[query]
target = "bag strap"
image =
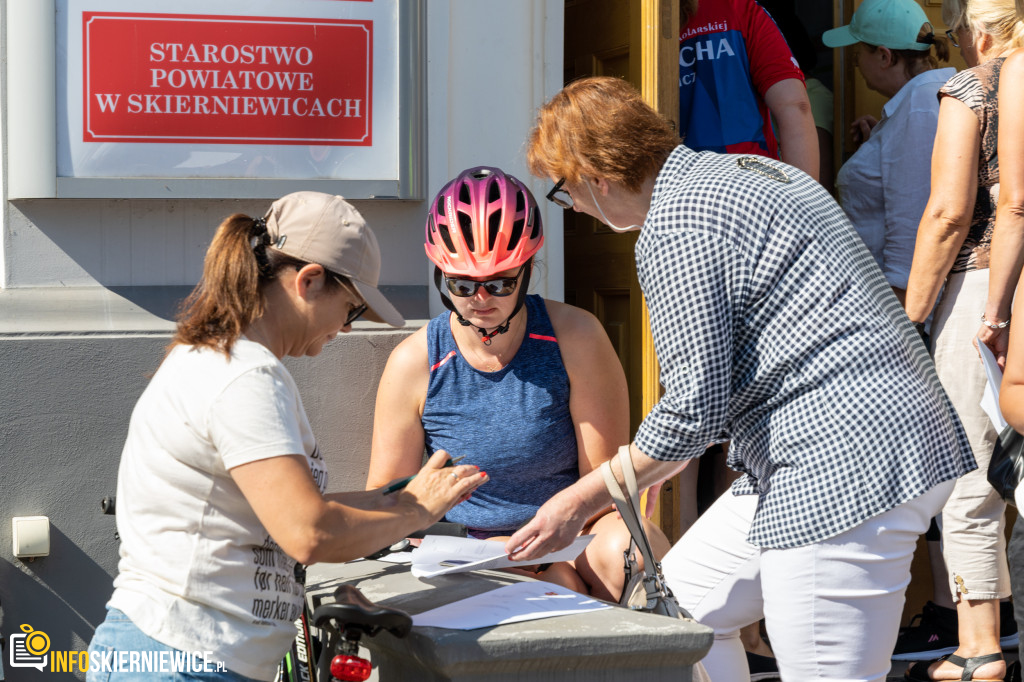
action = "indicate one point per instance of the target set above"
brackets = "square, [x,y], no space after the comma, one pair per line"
[629,508]
[629,505]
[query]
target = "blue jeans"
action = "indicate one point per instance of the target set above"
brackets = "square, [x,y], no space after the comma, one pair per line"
[118,640]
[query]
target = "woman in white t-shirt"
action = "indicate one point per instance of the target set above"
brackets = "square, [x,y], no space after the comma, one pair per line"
[883,187]
[221,487]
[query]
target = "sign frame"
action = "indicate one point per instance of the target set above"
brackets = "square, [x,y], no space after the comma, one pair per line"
[32,119]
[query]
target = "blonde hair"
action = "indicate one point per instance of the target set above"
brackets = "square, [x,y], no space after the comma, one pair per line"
[999,19]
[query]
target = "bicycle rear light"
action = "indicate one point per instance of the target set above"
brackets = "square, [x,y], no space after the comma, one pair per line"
[350,668]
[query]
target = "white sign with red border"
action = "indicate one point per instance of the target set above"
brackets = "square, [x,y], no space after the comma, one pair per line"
[303,89]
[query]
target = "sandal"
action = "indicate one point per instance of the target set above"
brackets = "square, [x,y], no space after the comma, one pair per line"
[919,671]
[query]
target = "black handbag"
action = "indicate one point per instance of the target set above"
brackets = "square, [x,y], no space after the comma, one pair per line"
[1006,468]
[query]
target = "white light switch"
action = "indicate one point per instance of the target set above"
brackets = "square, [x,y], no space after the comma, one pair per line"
[31,536]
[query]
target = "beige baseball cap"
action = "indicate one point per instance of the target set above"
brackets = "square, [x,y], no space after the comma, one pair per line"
[326,230]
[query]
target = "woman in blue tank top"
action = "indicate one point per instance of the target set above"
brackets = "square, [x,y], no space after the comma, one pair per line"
[529,390]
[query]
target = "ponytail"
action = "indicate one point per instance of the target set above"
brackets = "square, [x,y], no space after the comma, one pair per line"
[229,297]
[941,46]
[916,62]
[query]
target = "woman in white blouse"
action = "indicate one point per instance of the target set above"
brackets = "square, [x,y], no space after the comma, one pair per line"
[884,186]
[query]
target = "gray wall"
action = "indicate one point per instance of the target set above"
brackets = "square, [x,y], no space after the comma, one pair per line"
[60,435]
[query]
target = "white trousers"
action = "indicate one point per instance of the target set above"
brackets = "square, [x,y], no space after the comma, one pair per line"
[832,609]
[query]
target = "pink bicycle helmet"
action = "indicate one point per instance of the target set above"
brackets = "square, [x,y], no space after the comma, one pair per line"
[482,222]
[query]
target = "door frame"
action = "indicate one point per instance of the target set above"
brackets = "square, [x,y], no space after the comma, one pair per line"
[659,58]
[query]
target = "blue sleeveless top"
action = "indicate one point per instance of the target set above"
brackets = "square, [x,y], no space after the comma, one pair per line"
[514,423]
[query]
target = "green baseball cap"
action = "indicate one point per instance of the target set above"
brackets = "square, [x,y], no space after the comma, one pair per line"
[894,24]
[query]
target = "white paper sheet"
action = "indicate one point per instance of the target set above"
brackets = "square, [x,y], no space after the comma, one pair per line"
[990,398]
[529,600]
[441,554]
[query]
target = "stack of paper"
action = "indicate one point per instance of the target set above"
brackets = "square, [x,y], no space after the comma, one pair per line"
[990,398]
[441,554]
[529,600]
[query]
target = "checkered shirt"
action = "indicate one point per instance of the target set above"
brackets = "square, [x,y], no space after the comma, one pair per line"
[775,328]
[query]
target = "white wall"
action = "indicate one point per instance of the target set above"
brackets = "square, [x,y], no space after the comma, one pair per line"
[4,249]
[490,64]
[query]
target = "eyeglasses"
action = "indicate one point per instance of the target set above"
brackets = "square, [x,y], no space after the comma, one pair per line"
[356,312]
[560,196]
[951,34]
[464,288]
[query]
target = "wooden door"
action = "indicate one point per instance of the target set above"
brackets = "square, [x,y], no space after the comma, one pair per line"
[636,40]
[600,275]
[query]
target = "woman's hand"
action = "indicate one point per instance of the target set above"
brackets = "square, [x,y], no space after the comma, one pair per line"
[437,488]
[555,525]
[997,340]
[860,129]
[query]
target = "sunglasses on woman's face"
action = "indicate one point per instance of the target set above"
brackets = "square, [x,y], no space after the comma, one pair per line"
[464,288]
[355,314]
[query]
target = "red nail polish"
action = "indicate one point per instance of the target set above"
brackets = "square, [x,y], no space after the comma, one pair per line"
[483,473]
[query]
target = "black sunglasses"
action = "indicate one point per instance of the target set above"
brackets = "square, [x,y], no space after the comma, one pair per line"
[560,196]
[355,314]
[464,288]
[952,38]
[357,311]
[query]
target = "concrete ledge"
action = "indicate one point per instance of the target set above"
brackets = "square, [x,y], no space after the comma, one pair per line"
[52,311]
[616,644]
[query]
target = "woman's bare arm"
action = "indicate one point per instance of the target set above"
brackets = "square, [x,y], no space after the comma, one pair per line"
[947,216]
[798,137]
[598,396]
[311,528]
[1007,251]
[397,447]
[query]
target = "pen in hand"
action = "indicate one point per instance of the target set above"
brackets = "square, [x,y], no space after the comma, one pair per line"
[398,485]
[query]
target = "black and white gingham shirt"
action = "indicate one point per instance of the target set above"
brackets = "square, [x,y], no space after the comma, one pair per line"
[775,328]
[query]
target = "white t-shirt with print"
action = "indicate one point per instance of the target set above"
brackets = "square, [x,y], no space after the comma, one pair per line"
[198,571]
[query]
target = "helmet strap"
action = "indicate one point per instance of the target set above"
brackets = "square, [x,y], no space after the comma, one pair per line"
[486,336]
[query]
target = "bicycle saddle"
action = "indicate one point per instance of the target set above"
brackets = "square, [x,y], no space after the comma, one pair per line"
[352,609]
